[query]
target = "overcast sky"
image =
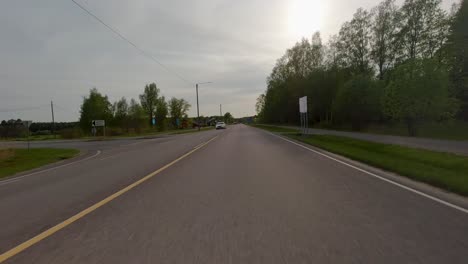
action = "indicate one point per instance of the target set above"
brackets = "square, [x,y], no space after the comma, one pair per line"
[52,50]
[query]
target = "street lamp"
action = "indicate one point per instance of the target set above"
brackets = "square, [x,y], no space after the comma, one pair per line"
[198,109]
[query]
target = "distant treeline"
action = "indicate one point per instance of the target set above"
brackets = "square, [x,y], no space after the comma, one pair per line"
[393,63]
[15,128]
[152,112]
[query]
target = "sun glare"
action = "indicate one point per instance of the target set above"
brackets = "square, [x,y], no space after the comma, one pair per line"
[305,17]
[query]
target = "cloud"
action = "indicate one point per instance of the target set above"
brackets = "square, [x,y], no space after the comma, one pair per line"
[52,50]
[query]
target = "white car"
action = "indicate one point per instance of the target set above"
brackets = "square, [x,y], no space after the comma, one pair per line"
[220,125]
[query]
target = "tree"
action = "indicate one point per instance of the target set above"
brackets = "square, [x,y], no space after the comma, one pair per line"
[458,58]
[421,32]
[228,118]
[418,91]
[149,100]
[161,113]
[94,107]
[384,29]
[260,104]
[354,42]
[358,101]
[121,112]
[137,116]
[178,109]
[316,51]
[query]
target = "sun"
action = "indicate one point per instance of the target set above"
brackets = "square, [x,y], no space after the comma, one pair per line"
[305,17]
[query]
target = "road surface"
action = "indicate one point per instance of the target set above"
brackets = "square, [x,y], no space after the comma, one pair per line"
[236,196]
[451,146]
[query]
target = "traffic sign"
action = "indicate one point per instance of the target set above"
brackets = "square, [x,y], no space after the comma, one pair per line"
[303,104]
[99,123]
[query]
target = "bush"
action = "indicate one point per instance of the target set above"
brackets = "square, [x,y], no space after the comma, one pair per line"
[358,102]
[71,133]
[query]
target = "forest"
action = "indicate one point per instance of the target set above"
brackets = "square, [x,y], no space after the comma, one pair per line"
[405,65]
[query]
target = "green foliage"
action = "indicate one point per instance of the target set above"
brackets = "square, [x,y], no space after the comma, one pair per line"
[178,109]
[394,40]
[458,58]
[137,116]
[149,100]
[228,118]
[418,91]
[95,107]
[161,113]
[358,101]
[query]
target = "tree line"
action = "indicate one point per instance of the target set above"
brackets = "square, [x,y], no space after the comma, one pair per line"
[393,63]
[152,110]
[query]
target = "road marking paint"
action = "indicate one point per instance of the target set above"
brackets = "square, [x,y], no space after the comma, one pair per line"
[23,246]
[198,146]
[459,208]
[15,179]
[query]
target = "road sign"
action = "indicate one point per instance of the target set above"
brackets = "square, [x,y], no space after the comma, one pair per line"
[303,104]
[27,123]
[99,123]
[153,121]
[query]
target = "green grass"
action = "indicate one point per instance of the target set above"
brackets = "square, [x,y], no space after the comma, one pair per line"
[13,161]
[444,170]
[276,129]
[453,130]
[39,138]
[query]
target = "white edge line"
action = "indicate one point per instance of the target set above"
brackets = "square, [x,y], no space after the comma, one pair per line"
[15,179]
[464,210]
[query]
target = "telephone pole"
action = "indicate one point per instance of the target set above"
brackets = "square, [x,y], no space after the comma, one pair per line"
[53,118]
[220,110]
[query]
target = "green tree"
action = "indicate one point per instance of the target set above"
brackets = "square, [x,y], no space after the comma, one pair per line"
[149,100]
[228,118]
[358,101]
[458,58]
[161,113]
[418,91]
[178,109]
[260,104]
[354,42]
[137,116]
[121,113]
[384,29]
[94,107]
[421,29]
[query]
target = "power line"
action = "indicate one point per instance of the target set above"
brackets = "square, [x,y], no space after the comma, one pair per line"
[143,52]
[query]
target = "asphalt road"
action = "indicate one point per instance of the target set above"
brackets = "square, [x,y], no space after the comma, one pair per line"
[244,197]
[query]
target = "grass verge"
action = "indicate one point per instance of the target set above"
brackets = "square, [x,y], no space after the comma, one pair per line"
[444,170]
[276,129]
[13,161]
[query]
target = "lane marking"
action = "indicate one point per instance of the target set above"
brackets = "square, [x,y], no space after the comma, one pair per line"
[459,208]
[15,179]
[23,246]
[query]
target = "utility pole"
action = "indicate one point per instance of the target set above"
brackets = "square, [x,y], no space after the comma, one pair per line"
[220,110]
[53,118]
[198,109]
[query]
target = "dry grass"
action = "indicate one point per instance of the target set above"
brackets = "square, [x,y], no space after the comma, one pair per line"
[6,154]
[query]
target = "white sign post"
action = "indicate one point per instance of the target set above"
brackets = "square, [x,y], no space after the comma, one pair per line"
[99,123]
[303,115]
[27,124]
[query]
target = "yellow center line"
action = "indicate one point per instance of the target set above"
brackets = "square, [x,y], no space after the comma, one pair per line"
[23,246]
